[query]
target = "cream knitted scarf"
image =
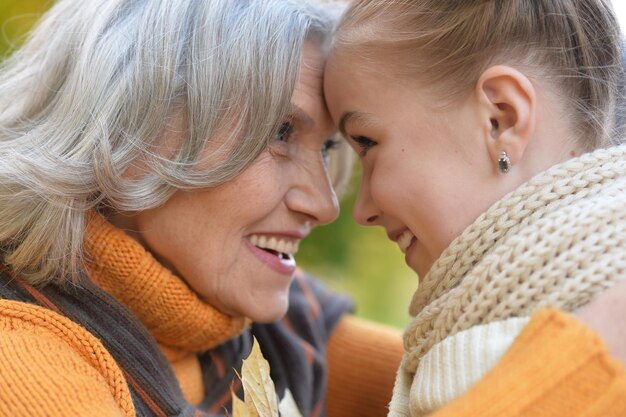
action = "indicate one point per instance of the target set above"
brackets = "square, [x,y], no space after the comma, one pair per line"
[557,241]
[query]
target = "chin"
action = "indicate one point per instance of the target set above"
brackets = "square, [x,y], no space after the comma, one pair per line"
[419,265]
[416,268]
[268,312]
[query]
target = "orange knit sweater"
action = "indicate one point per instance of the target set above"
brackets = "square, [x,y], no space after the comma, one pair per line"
[49,366]
[556,367]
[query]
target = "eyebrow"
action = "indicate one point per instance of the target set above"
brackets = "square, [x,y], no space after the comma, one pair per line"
[297,112]
[350,116]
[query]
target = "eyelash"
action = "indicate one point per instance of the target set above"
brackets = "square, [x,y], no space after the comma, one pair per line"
[364,143]
[287,129]
[285,132]
[329,145]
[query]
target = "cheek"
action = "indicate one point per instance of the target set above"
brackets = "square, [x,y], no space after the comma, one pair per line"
[259,189]
[414,193]
[392,180]
[181,240]
[163,229]
[191,234]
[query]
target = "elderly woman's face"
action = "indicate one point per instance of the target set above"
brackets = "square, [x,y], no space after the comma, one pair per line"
[234,244]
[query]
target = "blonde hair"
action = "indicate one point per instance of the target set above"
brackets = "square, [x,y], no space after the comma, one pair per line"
[94,88]
[450,43]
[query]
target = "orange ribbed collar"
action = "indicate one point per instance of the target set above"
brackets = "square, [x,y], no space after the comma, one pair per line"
[172,312]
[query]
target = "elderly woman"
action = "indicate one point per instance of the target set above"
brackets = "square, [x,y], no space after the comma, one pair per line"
[160,161]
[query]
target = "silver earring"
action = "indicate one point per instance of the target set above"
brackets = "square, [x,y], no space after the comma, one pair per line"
[504,163]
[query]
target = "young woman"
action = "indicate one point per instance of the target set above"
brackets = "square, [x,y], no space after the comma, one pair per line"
[491,139]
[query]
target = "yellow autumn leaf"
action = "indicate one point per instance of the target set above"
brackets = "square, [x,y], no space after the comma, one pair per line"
[258,387]
[260,399]
[240,409]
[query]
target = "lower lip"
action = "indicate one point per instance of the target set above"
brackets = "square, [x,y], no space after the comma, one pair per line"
[408,249]
[283,267]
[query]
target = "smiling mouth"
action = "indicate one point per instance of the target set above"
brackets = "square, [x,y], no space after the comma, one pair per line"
[405,240]
[282,248]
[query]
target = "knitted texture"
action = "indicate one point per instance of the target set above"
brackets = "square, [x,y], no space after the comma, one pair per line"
[67,367]
[456,363]
[557,241]
[204,346]
[64,385]
[555,368]
[362,361]
[170,310]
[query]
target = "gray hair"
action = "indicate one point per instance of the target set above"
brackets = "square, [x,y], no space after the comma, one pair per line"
[98,83]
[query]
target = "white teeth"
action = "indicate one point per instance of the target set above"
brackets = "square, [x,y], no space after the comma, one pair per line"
[404,240]
[288,247]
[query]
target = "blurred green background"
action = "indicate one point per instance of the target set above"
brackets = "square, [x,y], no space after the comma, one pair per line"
[16,18]
[359,261]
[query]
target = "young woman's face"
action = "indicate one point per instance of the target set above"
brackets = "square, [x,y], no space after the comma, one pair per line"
[235,244]
[422,174]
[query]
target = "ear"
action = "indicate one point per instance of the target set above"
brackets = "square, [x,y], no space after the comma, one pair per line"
[507,101]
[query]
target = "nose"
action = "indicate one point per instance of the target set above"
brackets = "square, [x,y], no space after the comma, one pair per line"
[365,212]
[312,193]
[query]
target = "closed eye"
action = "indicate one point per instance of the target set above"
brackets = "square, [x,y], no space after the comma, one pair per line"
[284,132]
[364,143]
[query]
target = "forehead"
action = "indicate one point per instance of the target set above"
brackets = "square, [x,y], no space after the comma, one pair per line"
[310,77]
[375,101]
[351,78]
[348,81]
[308,94]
